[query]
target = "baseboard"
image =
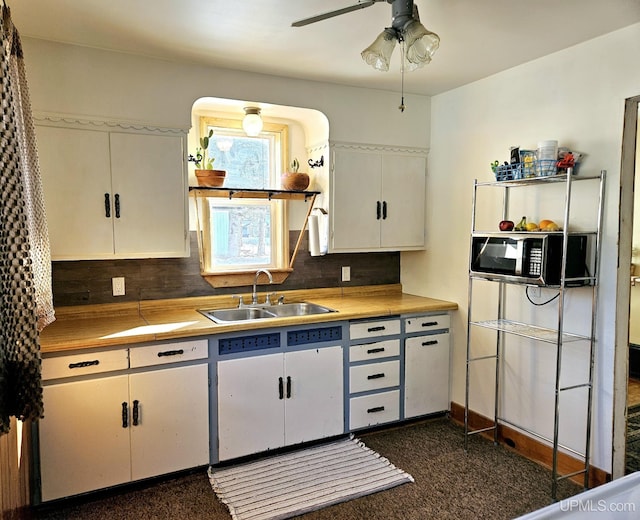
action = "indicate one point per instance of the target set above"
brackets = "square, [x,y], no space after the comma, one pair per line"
[531,448]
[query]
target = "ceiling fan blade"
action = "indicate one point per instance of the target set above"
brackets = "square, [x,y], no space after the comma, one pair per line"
[337,12]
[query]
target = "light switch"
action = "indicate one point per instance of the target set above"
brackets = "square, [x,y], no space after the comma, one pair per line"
[346,273]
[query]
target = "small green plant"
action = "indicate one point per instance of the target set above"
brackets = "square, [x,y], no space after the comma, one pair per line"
[202,159]
[295,165]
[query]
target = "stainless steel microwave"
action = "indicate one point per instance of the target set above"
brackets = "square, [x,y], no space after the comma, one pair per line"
[529,258]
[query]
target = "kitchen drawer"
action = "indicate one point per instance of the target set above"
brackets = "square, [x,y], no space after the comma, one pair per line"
[426,323]
[164,353]
[432,340]
[85,363]
[374,329]
[376,350]
[370,410]
[374,376]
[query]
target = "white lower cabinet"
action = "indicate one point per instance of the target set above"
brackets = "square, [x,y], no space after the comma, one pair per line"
[275,400]
[109,430]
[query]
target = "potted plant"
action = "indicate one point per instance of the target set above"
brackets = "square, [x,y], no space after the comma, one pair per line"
[205,174]
[292,180]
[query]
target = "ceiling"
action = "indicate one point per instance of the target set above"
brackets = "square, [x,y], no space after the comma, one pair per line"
[478,38]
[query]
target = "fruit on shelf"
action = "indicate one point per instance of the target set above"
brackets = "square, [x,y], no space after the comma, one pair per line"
[506,225]
[532,226]
[549,225]
[522,225]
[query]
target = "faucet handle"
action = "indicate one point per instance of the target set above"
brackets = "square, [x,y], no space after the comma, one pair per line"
[281,299]
[239,298]
[268,299]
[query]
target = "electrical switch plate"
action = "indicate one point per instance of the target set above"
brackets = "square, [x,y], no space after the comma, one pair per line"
[117,285]
[346,273]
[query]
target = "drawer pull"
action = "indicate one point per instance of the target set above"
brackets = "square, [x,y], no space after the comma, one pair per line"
[125,415]
[376,329]
[376,409]
[375,350]
[83,364]
[429,324]
[288,387]
[376,376]
[280,388]
[432,342]
[136,412]
[171,353]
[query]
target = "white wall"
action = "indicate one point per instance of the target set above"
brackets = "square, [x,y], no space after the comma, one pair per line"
[576,96]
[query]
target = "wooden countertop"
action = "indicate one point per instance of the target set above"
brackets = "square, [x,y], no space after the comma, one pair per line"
[89,326]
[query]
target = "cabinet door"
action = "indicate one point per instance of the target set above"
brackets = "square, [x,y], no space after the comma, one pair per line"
[250,408]
[403,192]
[149,181]
[83,445]
[76,175]
[314,408]
[355,192]
[426,375]
[172,431]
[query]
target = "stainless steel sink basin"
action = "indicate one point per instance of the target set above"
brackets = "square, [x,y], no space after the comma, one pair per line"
[268,311]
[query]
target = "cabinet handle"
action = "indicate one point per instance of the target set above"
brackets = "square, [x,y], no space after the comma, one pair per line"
[125,415]
[377,210]
[376,376]
[432,342]
[171,353]
[280,388]
[384,210]
[117,204]
[429,324]
[376,329]
[82,364]
[107,206]
[136,412]
[288,387]
[376,409]
[375,350]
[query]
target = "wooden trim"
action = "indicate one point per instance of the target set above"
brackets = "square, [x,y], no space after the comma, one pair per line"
[530,448]
[14,473]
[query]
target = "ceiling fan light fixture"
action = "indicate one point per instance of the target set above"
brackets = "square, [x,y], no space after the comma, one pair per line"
[421,43]
[252,122]
[378,54]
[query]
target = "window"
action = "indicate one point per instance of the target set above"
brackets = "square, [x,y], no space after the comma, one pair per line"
[245,234]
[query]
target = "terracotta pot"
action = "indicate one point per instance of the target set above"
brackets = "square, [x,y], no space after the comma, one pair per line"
[294,181]
[211,178]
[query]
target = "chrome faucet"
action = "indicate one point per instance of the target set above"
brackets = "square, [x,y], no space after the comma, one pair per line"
[254,294]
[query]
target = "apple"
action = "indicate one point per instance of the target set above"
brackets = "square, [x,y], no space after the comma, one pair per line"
[506,225]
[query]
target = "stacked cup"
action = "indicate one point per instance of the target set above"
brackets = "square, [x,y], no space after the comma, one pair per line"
[547,156]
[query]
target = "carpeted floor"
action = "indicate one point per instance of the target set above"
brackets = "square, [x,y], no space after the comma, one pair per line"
[633,439]
[487,482]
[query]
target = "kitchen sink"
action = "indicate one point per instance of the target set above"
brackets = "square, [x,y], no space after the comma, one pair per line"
[265,311]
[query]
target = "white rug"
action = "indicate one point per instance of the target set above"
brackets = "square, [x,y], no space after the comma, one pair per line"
[294,483]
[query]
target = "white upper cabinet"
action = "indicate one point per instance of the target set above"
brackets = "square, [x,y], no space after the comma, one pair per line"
[113,192]
[377,199]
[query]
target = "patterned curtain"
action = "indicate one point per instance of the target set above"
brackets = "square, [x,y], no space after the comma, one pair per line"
[26,303]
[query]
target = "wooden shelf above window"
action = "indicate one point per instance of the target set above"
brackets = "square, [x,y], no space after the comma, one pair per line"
[251,193]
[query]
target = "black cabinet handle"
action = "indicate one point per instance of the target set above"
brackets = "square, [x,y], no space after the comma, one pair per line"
[136,412]
[376,409]
[375,350]
[377,210]
[384,210]
[376,329]
[280,388]
[117,204]
[171,353]
[288,387]
[429,324]
[107,206]
[432,342]
[376,376]
[125,415]
[83,364]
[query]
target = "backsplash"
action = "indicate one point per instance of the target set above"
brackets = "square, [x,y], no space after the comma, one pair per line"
[88,282]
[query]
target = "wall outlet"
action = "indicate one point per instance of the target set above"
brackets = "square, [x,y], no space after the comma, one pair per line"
[346,273]
[117,285]
[536,292]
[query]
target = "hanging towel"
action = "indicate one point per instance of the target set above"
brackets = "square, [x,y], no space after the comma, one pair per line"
[20,379]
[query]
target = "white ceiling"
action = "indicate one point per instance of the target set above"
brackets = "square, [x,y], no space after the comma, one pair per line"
[478,37]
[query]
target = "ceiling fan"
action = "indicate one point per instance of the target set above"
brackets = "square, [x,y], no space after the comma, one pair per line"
[418,43]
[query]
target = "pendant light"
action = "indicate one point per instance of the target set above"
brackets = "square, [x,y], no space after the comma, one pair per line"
[252,122]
